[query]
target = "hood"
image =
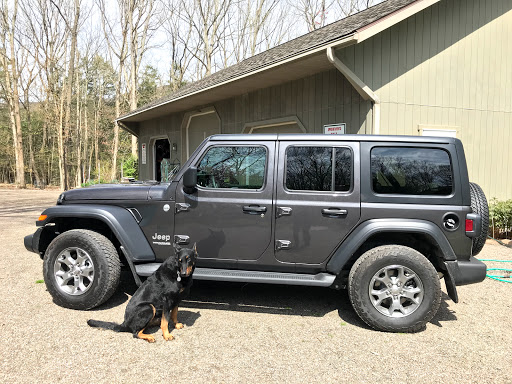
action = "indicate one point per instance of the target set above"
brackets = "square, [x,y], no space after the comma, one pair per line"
[142,191]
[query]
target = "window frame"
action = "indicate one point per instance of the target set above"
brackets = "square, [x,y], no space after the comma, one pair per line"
[333,163]
[408,195]
[265,173]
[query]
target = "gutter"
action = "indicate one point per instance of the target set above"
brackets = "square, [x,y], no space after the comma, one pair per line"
[361,88]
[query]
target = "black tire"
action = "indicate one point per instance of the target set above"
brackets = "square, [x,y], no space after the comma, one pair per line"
[479,205]
[87,258]
[418,274]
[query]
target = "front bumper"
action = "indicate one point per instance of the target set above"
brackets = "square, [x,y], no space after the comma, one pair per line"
[32,241]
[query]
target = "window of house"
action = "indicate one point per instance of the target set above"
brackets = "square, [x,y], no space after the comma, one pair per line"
[311,169]
[411,171]
[233,167]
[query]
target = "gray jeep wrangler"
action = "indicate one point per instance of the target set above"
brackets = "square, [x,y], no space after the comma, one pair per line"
[385,216]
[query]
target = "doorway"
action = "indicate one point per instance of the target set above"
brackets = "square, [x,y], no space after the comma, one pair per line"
[162,151]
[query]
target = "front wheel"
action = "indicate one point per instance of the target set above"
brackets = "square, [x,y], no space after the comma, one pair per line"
[394,288]
[81,269]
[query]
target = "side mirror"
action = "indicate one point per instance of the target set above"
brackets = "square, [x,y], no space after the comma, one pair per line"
[190,180]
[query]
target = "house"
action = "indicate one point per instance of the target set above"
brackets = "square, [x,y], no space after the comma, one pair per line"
[401,67]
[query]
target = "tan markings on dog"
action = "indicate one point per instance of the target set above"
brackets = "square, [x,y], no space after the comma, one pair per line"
[164,325]
[174,318]
[143,336]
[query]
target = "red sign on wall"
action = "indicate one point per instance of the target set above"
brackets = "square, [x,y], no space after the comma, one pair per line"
[335,129]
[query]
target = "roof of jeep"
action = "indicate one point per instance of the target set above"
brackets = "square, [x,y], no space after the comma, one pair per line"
[320,137]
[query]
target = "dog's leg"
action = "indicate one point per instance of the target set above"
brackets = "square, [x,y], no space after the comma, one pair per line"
[174,318]
[164,324]
[142,335]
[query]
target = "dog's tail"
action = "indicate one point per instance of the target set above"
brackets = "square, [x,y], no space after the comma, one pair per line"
[107,325]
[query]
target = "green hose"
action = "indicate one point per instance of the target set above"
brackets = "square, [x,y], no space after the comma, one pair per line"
[499,277]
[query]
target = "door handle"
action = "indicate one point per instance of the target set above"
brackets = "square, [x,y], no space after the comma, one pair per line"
[254,209]
[334,212]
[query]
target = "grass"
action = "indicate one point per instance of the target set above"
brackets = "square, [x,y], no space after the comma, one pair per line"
[39,281]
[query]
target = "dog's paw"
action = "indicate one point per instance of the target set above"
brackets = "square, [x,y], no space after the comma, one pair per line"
[150,339]
[168,337]
[178,326]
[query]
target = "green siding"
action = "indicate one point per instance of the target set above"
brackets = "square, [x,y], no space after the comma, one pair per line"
[449,65]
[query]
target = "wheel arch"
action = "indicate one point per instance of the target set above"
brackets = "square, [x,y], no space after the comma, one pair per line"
[421,235]
[376,232]
[115,223]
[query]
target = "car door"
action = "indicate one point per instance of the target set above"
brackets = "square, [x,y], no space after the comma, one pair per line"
[317,199]
[229,216]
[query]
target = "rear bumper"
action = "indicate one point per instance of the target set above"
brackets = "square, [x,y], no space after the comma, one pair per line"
[32,241]
[467,271]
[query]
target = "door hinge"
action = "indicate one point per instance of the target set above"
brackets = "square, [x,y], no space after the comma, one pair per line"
[181,207]
[181,239]
[284,211]
[283,244]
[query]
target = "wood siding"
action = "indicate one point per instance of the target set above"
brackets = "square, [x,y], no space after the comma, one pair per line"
[449,65]
[324,98]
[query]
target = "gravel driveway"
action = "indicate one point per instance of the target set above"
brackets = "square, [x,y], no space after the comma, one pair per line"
[239,333]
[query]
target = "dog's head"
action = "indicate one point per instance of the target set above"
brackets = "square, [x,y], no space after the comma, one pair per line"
[186,259]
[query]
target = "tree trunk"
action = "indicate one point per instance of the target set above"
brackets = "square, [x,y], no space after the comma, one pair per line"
[69,90]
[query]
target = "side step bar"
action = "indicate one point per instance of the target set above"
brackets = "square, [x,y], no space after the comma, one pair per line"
[234,275]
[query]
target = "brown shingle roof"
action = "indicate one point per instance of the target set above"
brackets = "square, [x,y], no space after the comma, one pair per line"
[304,43]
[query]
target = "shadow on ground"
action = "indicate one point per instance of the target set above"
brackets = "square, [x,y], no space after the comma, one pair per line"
[265,298]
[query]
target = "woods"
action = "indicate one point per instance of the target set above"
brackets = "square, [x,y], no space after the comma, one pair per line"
[69,68]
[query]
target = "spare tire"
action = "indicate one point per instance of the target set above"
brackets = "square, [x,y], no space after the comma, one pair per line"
[479,205]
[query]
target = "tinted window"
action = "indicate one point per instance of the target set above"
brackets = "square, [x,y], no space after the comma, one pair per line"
[310,169]
[233,167]
[411,171]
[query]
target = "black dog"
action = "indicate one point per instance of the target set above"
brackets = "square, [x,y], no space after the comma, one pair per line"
[158,297]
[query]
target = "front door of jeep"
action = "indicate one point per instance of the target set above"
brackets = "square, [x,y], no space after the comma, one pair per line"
[318,199]
[229,215]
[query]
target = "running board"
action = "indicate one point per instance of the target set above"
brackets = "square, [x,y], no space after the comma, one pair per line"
[234,275]
[319,280]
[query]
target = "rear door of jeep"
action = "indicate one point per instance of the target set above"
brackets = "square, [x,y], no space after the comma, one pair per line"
[317,199]
[229,215]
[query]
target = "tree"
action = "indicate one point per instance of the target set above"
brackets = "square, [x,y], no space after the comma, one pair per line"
[10,87]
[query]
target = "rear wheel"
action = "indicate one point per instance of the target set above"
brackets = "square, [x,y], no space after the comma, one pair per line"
[394,288]
[479,205]
[81,269]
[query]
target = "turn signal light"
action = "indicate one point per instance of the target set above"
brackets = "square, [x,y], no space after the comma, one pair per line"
[43,218]
[469,225]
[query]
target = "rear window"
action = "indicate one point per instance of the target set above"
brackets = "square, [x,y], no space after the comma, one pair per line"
[411,171]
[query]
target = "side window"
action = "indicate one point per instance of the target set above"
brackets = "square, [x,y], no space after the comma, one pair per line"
[411,171]
[233,167]
[311,169]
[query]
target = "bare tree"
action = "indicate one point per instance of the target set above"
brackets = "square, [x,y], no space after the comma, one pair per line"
[117,41]
[73,30]
[141,24]
[10,68]
[179,36]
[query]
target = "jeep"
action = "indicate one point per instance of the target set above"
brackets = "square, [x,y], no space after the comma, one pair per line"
[385,217]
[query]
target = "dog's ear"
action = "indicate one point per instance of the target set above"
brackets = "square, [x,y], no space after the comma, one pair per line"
[177,248]
[195,248]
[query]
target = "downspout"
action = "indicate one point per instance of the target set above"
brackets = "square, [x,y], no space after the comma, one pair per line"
[361,88]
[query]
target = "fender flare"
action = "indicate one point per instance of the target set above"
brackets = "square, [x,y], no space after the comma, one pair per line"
[371,227]
[120,221]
